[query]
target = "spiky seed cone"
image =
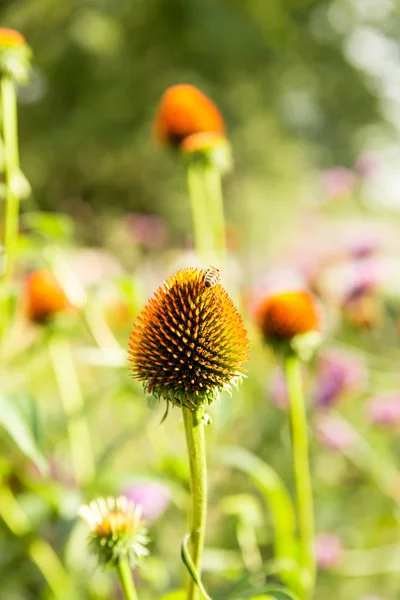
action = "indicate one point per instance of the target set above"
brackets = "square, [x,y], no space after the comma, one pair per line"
[184,110]
[189,342]
[116,530]
[44,296]
[283,316]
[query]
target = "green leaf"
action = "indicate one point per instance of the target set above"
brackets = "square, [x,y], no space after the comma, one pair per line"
[187,561]
[270,592]
[177,595]
[278,501]
[52,226]
[18,415]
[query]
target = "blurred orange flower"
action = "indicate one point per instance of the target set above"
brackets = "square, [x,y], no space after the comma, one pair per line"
[283,316]
[44,296]
[204,140]
[184,110]
[11,37]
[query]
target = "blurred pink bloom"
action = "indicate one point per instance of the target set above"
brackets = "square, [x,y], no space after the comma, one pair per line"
[367,164]
[337,182]
[152,495]
[148,230]
[328,550]
[339,373]
[335,433]
[384,409]
[366,276]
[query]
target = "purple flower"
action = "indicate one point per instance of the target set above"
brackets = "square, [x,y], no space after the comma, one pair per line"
[335,433]
[365,277]
[339,373]
[153,496]
[384,409]
[328,550]
[338,182]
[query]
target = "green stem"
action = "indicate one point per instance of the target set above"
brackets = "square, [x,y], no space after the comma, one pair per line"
[215,206]
[302,475]
[201,220]
[73,403]
[126,579]
[194,429]
[48,563]
[10,137]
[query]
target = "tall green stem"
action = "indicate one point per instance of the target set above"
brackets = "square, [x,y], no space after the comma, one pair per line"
[126,579]
[73,403]
[201,220]
[11,159]
[194,429]
[302,475]
[215,209]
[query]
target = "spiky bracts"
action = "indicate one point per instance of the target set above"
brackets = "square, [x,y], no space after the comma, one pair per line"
[184,110]
[116,530]
[189,342]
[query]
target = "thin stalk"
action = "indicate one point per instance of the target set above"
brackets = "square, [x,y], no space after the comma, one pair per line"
[195,439]
[201,219]
[126,579]
[305,508]
[11,159]
[73,404]
[215,209]
[48,563]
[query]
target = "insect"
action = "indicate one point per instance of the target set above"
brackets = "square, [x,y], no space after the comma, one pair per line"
[212,277]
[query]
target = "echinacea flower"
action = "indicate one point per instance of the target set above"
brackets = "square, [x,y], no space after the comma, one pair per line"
[117,531]
[290,322]
[44,296]
[184,110]
[189,342]
[328,550]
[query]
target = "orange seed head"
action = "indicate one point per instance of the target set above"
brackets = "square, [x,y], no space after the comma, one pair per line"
[189,342]
[184,110]
[45,297]
[10,38]
[285,315]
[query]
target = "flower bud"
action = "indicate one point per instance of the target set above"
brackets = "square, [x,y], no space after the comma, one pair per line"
[116,530]
[15,54]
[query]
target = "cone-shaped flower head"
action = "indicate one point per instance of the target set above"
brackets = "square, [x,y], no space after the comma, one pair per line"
[44,296]
[189,342]
[15,54]
[290,320]
[184,110]
[116,530]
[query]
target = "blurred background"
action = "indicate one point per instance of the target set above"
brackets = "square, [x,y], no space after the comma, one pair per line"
[310,91]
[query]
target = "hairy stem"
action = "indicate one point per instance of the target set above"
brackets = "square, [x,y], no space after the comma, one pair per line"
[305,508]
[194,429]
[126,579]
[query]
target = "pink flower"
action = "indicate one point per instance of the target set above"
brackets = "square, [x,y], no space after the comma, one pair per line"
[153,496]
[338,182]
[328,550]
[339,373]
[384,410]
[335,433]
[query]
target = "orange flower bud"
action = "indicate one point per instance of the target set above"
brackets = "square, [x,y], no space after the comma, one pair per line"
[11,38]
[283,316]
[185,110]
[44,295]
